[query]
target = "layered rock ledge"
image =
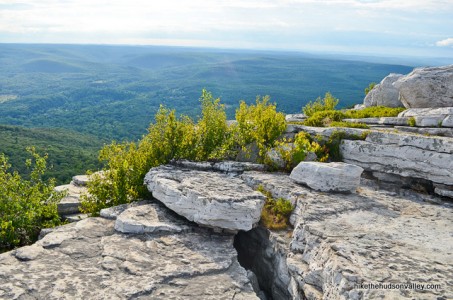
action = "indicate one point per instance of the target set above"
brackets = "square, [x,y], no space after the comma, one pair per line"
[89,259]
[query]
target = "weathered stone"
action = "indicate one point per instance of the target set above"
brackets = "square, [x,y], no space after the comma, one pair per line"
[147,218]
[412,112]
[384,93]
[80,180]
[207,198]
[325,132]
[75,217]
[372,236]
[444,132]
[429,121]
[448,121]
[328,177]
[427,87]
[381,121]
[295,117]
[71,203]
[429,158]
[90,260]
[228,166]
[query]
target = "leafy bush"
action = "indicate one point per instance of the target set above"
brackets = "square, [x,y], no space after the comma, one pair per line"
[276,212]
[370,87]
[348,124]
[294,151]
[169,137]
[26,206]
[373,112]
[260,123]
[329,102]
[411,122]
[324,118]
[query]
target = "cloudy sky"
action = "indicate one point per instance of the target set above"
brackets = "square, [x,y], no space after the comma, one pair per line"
[383,27]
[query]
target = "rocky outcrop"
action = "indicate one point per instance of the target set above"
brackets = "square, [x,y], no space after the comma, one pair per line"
[427,87]
[207,198]
[384,93]
[411,156]
[328,177]
[343,243]
[89,259]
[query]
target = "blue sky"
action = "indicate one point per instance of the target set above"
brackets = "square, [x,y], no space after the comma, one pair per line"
[378,27]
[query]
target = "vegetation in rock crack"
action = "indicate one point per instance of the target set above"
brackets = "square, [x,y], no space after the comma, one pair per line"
[373,112]
[332,144]
[26,206]
[321,113]
[411,122]
[293,151]
[276,212]
[171,137]
[370,87]
[349,124]
[329,102]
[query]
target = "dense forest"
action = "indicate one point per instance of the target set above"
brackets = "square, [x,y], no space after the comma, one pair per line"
[67,100]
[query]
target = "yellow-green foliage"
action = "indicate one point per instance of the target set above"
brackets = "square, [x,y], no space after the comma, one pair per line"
[276,212]
[324,118]
[329,102]
[373,112]
[370,87]
[411,122]
[302,144]
[170,137]
[259,123]
[26,206]
[348,124]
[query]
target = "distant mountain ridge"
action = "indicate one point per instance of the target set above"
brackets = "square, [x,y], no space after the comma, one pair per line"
[113,91]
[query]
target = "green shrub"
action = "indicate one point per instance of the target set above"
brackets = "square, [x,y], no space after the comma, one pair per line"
[348,124]
[329,102]
[26,206]
[370,87]
[373,112]
[324,118]
[302,144]
[276,212]
[170,137]
[260,124]
[411,122]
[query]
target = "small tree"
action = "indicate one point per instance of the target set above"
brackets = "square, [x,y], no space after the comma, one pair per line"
[370,87]
[329,102]
[26,206]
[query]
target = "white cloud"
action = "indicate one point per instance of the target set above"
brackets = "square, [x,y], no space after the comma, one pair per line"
[445,43]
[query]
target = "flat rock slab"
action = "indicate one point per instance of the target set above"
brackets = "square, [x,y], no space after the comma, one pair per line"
[370,237]
[80,180]
[147,218]
[71,203]
[328,177]
[91,260]
[208,198]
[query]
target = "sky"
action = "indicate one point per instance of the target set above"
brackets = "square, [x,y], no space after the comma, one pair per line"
[376,27]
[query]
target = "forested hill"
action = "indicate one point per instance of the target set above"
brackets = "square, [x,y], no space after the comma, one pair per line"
[69,153]
[113,91]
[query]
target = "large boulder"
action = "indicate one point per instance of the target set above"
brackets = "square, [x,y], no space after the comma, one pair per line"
[384,93]
[208,198]
[427,87]
[328,177]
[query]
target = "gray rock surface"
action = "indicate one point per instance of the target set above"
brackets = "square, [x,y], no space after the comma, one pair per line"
[384,93]
[412,112]
[90,260]
[381,121]
[341,241]
[70,204]
[295,117]
[80,180]
[413,156]
[328,177]
[427,87]
[445,132]
[208,198]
